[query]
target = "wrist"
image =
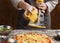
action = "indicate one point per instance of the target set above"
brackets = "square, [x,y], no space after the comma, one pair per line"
[24,5]
[27,6]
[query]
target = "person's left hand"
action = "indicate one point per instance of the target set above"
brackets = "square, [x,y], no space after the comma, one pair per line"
[41,6]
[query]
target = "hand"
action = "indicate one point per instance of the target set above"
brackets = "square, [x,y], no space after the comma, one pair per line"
[30,11]
[31,8]
[25,15]
[41,6]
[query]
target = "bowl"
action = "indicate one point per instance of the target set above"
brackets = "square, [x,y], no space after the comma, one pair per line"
[58,33]
[5,29]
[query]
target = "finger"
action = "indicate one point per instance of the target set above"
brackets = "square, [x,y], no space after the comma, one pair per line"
[34,9]
[43,11]
[38,4]
[25,13]
[42,4]
[42,8]
[30,8]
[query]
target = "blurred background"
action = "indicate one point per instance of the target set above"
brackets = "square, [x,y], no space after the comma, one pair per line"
[8,15]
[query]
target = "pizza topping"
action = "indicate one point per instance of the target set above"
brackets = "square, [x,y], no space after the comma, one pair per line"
[32,38]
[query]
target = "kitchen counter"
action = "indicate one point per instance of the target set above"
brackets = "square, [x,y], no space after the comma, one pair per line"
[50,33]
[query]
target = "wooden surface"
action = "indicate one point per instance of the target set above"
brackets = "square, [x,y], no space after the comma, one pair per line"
[8,14]
[55,16]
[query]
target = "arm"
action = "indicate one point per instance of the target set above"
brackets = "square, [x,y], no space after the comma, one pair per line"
[15,3]
[51,4]
[47,6]
[18,4]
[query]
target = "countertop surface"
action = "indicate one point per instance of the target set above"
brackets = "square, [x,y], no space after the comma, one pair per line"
[50,33]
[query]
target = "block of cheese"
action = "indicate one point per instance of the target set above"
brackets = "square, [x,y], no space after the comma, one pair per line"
[32,16]
[40,0]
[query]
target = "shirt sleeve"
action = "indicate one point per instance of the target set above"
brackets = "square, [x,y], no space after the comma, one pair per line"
[51,5]
[15,3]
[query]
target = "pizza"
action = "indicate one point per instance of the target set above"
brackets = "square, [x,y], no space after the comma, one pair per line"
[32,38]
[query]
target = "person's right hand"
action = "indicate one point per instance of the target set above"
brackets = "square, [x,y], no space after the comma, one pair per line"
[26,6]
[32,8]
[30,11]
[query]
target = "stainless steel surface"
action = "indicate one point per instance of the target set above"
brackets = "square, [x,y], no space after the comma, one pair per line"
[40,21]
[50,33]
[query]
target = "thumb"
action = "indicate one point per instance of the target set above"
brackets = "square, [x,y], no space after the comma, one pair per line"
[25,13]
[43,11]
